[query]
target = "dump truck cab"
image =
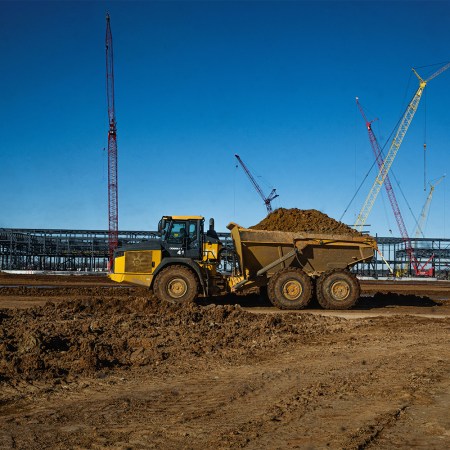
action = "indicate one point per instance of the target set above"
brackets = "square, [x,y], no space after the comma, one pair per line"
[184,237]
[181,236]
[182,247]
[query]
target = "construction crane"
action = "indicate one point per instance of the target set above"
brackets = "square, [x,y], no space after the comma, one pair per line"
[267,200]
[113,210]
[417,267]
[395,145]
[426,207]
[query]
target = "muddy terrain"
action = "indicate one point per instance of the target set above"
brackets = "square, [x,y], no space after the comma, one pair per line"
[90,364]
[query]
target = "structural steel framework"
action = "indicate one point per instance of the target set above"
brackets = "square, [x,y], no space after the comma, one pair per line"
[87,251]
[55,250]
[64,250]
[394,251]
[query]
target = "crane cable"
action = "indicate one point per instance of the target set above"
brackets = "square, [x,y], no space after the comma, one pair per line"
[386,215]
[370,169]
[425,145]
[404,198]
[382,154]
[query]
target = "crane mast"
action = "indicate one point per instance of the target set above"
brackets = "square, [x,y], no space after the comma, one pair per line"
[113,211]
[390,191]
[395,145]
[267,200]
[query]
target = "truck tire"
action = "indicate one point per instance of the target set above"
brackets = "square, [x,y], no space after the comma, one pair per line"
[290,289]
[176,284]
[338,289]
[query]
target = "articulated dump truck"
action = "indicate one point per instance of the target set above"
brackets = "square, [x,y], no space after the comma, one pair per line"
[184,262]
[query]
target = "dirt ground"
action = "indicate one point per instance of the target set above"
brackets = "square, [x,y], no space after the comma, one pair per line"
[90,364]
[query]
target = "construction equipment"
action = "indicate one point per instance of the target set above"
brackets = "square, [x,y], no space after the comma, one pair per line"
[395,145]
[426,207]
[267,200]
[113,208]
[184,262]
[418,268]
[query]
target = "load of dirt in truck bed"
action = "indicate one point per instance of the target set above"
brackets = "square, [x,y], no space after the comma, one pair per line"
[85,337]
[302,221]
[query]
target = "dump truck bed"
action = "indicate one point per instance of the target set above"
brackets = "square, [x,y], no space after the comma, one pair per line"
[315,253]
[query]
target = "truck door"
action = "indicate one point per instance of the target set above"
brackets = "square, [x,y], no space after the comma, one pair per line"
[183,239]
[193,241]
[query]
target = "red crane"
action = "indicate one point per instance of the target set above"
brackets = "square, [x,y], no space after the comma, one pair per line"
[267,199]
[113,210]
[418,269]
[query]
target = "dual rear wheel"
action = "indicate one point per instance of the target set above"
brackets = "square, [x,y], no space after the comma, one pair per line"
[337,289]
[292,288]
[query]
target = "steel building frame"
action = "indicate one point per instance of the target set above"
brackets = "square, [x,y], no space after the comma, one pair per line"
[63,250]
[393,250]
[87,251]
[55,250]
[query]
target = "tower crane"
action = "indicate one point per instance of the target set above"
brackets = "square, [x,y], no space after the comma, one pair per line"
[395,145]
[426,207]
[417,267]
[267,200]
[113,214]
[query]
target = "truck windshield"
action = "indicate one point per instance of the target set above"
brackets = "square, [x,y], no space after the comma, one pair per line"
[177,232]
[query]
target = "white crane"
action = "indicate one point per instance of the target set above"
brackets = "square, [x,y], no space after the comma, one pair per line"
[426,207]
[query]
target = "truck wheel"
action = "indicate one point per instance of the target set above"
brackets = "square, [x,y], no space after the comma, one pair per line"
[176,284]
[290,289]
[337,289]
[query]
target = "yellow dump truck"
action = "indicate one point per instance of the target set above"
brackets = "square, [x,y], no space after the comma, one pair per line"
[185,261]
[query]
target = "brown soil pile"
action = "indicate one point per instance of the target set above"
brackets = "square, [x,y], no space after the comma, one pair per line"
[302,221]
[87,336]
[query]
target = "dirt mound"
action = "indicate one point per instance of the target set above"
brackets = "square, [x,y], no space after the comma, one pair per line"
[302,220]
[82,337]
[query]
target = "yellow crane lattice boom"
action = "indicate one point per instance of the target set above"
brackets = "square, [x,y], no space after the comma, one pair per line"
[395,145]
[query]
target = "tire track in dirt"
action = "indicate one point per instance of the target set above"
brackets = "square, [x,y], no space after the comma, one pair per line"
[354,386]
[205,377]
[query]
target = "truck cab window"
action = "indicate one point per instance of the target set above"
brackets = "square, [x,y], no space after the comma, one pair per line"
[192,231]
[177,232]
[165,230]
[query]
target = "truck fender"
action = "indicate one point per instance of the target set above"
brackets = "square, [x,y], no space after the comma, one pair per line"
[182,262]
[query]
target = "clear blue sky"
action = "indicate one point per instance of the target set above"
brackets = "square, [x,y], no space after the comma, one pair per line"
[197,82]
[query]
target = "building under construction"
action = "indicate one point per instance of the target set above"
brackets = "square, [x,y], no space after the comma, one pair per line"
[87,251]
[60,250]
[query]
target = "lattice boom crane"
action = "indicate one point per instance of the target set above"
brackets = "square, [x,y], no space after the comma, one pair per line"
[423,215]
[417,267]
[267,200]
[113,210]
[395,145]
